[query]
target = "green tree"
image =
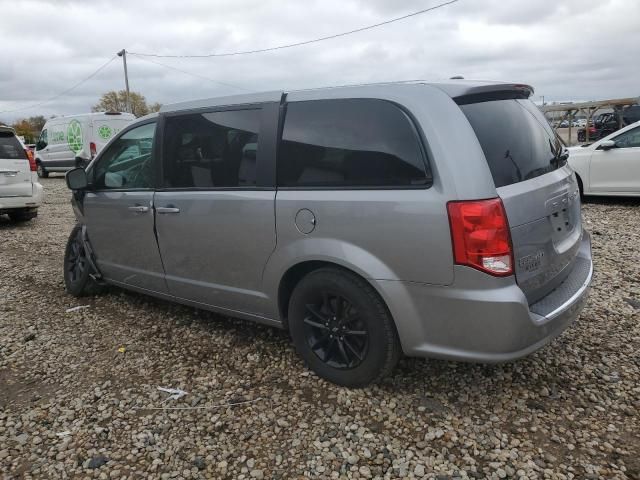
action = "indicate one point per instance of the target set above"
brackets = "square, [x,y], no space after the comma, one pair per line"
[24,129]
[116,101]
[37,123]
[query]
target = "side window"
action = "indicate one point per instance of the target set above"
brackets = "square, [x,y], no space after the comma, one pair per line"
[349,143]
[128,162]
[211,150]
[629,139]
[42,141]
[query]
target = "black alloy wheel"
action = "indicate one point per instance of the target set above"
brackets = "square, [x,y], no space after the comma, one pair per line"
[335,332]
[342,328]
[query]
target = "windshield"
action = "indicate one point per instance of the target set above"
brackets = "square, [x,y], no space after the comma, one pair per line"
[518,142]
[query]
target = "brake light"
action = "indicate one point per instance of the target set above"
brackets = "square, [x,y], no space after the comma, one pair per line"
[480,236]
[92,149]
[32,161]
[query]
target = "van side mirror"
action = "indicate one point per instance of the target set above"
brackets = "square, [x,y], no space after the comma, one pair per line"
[76,179]
[607,145]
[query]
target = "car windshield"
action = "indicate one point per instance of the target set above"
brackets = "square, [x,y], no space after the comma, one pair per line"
[518,142]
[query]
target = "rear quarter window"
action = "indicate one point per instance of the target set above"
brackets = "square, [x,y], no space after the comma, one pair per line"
[517,141]
[349,143]
[10,147]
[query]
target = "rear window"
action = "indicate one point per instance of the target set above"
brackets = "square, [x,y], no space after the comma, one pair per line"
[350,143]
[10,147]
[517,141]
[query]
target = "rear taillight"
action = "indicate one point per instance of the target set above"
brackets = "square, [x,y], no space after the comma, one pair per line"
[480,236]
[32,161]
[92,149]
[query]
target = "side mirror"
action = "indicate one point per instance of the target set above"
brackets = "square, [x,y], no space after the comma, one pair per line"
[607,145]
[76,179]
[40,145]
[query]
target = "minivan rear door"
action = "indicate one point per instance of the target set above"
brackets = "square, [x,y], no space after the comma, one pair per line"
[215,208]
[538,189]
[15,173]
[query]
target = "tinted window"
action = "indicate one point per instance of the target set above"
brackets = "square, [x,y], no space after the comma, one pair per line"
[629,139]
[349,143]
[128,162]
[517,141]
[211,150]
[10,147]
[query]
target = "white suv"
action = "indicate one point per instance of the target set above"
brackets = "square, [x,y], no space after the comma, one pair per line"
[20,192]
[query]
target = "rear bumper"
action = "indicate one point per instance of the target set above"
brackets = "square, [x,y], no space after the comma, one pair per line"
[33,201]
[484,319]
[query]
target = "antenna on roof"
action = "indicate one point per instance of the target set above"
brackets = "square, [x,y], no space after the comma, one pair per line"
[457,77]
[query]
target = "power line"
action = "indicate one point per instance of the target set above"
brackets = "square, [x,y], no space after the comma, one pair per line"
[306,42]
[102,67]
[188,73]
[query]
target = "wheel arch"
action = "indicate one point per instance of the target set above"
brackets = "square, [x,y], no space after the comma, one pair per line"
[294,274]
[580,185]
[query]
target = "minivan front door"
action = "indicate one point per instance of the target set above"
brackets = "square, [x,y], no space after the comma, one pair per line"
[118,212]
[215,216]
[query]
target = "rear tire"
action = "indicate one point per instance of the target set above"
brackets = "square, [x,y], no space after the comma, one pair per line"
[42,173]
[77,268]
[22,216]
[342,328]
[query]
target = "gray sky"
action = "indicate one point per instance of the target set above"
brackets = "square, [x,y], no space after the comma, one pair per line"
[568,50]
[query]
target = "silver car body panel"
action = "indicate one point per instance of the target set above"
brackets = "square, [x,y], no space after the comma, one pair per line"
[123,238]
[228,250]
[215,248]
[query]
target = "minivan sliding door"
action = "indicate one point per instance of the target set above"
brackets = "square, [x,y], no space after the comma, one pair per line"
[215,212]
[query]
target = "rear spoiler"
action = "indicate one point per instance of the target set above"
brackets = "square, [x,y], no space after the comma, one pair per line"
[487,93]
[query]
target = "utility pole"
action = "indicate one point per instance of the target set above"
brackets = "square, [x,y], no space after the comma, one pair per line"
[123,53]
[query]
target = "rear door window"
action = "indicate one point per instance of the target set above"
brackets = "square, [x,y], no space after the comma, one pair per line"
[351,143]
[518,142]
[10,147]
[212,149]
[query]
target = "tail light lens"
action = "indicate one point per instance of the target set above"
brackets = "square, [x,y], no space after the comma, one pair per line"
[32,161]
[480,236]
[92,148]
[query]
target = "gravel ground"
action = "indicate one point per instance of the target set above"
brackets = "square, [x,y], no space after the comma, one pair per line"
[79,398]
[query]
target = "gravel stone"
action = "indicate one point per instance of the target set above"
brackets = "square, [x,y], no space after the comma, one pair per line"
[569,411]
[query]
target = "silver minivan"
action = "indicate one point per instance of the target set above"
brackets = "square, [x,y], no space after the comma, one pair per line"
[424,219]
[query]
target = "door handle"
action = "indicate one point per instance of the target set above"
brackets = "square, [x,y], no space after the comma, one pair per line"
[167,210]
[139,209]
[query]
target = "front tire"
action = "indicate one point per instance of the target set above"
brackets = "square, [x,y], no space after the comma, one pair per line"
[342,328]
[40,170]
[77,268]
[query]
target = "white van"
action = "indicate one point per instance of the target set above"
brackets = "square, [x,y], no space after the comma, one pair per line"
[65,138]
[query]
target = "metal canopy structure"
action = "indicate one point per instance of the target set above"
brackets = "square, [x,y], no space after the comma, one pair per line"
[589,109]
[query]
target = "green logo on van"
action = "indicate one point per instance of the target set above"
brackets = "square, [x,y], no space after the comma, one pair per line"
[74,136]
[105,132]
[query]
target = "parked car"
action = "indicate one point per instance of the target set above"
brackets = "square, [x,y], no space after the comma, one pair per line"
[20,192]
[631,114]
[610,166]
[435,220]
[63,139]
[603,125]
